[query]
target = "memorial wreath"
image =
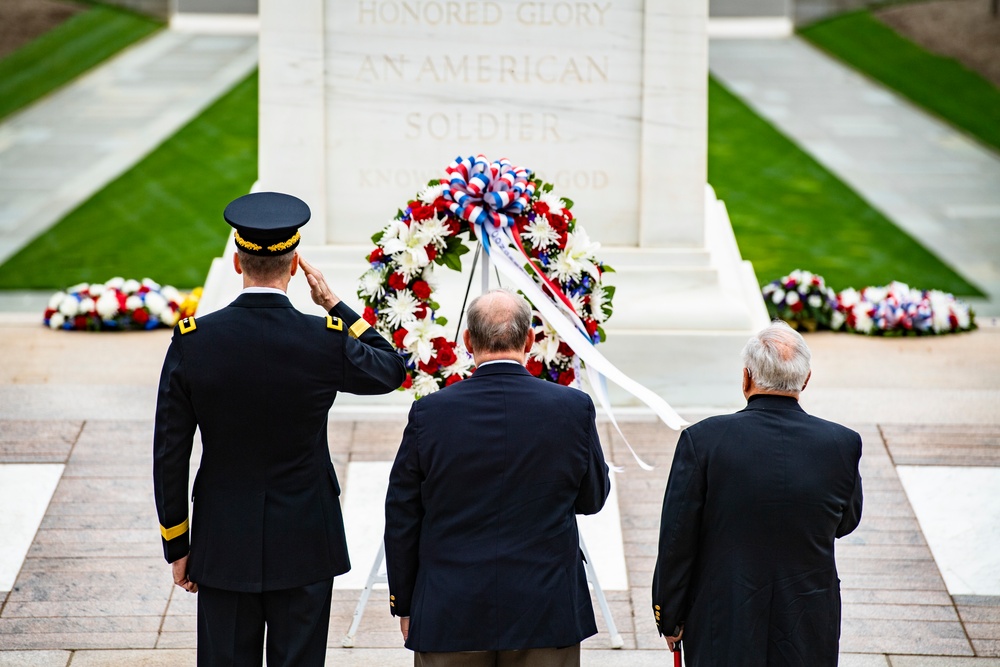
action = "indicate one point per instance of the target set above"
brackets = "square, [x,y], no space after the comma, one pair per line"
[480,198]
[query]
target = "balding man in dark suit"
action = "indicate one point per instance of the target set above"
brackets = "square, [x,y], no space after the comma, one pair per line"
[481,543]
[745,570]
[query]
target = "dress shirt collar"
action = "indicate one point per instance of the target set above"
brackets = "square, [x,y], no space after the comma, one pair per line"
[262,290]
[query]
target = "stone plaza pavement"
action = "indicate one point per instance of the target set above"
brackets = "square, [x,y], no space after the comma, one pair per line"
[94,589]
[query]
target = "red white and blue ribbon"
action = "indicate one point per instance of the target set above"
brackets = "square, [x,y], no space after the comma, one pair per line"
[492,219]
[488,192]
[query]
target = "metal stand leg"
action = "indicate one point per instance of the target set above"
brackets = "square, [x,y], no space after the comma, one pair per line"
[616,638]
[374,577]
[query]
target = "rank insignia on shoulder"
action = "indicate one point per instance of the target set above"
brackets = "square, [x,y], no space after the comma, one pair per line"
[334,323]
[187,325]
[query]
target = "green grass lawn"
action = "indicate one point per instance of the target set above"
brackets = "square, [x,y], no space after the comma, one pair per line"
[67,51]
[161,219]
[940,85]
[789,212]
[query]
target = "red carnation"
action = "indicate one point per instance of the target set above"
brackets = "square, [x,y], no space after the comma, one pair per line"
[420,311]
[452,379]
[421,289]
[558,223]
[441,204]
[430,367]
[797,306]
[121,300]
[397,337]
[565,349]
[140,316]
[446,356]
[591,326]
[431,251]
[541,207]
[408,382]
[80,322]
[566,377]
[376,255]
[453,225]
[534,366]
[369,315]
[397,281]
[421,212]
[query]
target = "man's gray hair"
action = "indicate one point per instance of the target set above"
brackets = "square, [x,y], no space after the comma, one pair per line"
[777,358]
[499,321]
[265,268]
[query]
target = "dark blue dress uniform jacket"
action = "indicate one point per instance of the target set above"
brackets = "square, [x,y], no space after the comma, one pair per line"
[258,378]
[481,542]
[746,556]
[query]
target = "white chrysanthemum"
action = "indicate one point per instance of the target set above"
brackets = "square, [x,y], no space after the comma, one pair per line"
[555,203]
[172,294]
[547,348]
[862,321]
[837,320]
[576,257]
[155,303]
[400,308]
[96,290]
[418,338]
[130,286]
[424,384]
[941,311]
[86,306]
[792,298]
[406,246]
[57,320]
[151,284]
[133,302]
[432,231]
[56,299]
[69,305]
[79,287]
[579,307]
[373,283]
[849,297]
[107,305]
[462,365]
[815,300]
[540,232]
[169,317]
[963,316]
[430,194]
[875,294]
[429,276]
[598,300]
[115,283]
[778,296]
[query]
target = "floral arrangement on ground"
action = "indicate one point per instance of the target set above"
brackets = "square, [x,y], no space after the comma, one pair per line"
[805,301]
[398,288]
[119,305]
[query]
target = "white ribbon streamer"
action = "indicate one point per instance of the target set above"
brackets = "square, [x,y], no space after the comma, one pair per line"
[598,367]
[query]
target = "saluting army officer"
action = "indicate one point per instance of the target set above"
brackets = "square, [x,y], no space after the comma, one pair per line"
[258,378]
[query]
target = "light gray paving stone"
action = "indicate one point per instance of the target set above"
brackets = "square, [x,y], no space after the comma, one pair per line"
[915,612]
[166,658]
[928,661]
[34,658]
[863,660]
[77,640]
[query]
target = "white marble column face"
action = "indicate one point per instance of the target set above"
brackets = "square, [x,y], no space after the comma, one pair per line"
[674,163]
[292,155]
[554,86]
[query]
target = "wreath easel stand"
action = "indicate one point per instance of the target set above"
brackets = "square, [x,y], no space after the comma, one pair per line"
[376,575]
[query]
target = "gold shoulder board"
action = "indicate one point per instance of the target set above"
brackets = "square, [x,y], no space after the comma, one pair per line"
[334,323]
[187,325]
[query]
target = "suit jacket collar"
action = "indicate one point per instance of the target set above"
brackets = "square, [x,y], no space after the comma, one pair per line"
[501,369]
[261,300]
[773,402]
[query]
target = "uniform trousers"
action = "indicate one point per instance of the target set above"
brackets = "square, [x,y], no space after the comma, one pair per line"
[231,626]
[532,657]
